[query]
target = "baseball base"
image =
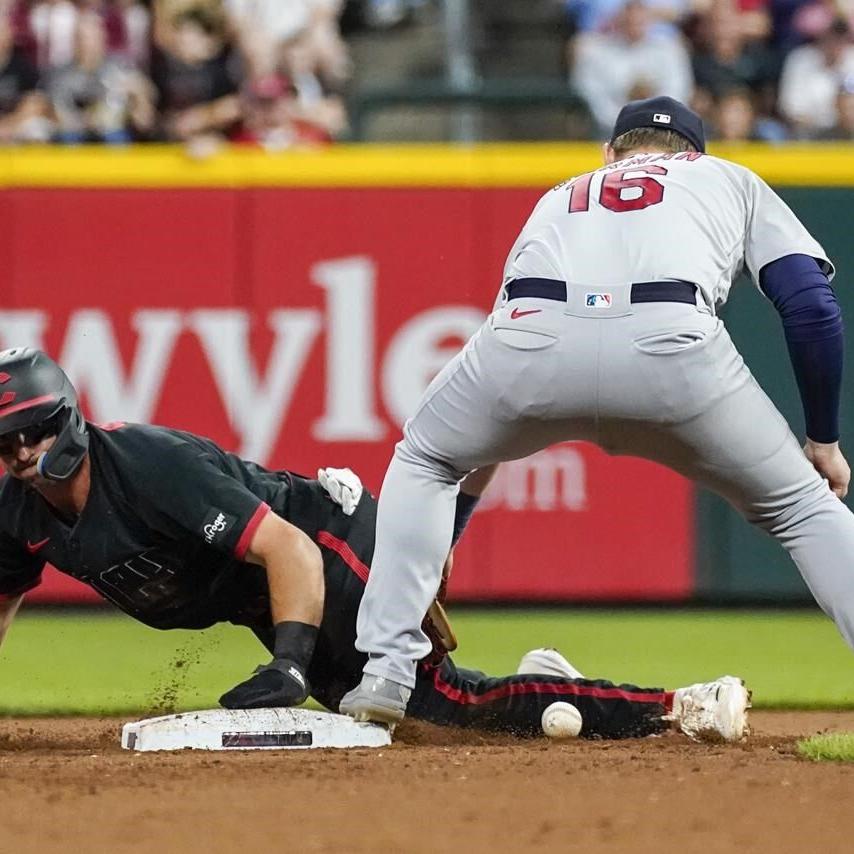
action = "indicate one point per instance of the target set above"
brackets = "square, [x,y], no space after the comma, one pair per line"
[252,729]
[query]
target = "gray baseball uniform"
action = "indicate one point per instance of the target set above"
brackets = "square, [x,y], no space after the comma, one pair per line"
[600,334]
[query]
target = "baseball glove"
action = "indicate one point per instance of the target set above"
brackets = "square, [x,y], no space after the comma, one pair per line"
[436,624]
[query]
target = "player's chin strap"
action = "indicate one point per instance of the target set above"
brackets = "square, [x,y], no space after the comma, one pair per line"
[67,452]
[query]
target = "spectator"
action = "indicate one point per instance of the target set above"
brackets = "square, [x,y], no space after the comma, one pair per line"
[114,24]
[166,10]
[96,99]
[752,17]
[726,59]
[195,74]
[271,117]
[53,24]
[316,75]
[165,13]
[811,78]
[263,26]
[137,28]
[271,31]
[784,34]
[812,19]
[600,15]
[23,107]
[843,129]
[612,69]
[735,119]
[332,58]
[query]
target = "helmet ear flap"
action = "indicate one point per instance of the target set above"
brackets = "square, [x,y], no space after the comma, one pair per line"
[66,454]
[42,391]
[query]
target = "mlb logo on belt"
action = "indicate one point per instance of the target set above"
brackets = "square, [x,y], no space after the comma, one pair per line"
[598,300]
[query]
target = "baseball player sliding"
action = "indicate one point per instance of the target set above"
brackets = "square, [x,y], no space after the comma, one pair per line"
[180,534]
[606,330]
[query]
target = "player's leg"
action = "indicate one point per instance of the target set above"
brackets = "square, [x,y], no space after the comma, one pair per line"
[479,410]
[451,696]
[718,427]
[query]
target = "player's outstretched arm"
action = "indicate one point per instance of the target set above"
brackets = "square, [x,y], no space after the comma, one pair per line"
[295,578]
[294,570]
[830,463]
[8,609]
[812,322]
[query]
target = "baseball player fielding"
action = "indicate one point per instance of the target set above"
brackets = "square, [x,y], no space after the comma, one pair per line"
[606,329]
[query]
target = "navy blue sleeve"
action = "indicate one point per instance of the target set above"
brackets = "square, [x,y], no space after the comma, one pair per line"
[812,323]
[462,514]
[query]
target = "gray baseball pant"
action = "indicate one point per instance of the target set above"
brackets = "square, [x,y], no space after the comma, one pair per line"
[656,380]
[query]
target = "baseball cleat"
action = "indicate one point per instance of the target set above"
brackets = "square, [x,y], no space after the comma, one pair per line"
[713,711]
[376,699]
[546,661]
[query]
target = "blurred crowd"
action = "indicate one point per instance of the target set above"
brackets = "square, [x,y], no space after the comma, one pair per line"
[261,72]
[770,70]
[273,73]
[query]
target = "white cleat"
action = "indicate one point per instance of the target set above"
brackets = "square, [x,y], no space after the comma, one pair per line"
[713,711]
[546,661]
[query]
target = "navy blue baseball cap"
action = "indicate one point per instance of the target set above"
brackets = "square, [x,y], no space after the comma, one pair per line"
[661,112]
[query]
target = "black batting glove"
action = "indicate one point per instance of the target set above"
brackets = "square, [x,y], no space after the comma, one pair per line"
[282,682]
[279,683]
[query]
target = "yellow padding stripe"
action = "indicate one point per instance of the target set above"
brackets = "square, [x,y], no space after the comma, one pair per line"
[536,165]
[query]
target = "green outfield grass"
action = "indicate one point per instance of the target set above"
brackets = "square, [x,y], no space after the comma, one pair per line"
[828,747]
[90,663]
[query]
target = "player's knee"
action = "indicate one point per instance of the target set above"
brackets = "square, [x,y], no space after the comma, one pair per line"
[414,455]
[785,511]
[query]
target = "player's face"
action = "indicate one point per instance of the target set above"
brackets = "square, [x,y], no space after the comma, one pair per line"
[20,451]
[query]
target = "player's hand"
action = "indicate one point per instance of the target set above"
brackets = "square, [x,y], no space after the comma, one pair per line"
[344,487]
[279,683]
[831,464]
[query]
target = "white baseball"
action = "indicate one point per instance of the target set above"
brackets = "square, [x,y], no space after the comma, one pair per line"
[561,720]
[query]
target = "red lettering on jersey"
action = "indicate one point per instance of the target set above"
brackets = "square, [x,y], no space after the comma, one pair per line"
[4,377]
[7,398]
[689,155]
[613,184]
[579,195]
[652,191]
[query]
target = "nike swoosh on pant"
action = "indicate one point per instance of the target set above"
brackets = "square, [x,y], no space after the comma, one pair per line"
[516,314]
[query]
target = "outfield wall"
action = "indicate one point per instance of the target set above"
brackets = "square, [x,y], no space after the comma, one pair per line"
[293,308]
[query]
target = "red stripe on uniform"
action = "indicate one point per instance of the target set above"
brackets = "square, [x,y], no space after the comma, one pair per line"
[344,552]
[249,531]
[467,698]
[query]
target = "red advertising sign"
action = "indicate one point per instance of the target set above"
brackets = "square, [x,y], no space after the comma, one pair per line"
[298,327]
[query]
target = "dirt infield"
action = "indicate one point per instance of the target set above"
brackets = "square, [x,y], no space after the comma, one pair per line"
[65,785]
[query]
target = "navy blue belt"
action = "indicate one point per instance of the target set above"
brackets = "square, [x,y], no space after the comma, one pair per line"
[673,291]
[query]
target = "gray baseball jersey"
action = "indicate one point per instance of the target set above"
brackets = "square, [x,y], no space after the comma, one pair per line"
[698,218]
[598,341]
